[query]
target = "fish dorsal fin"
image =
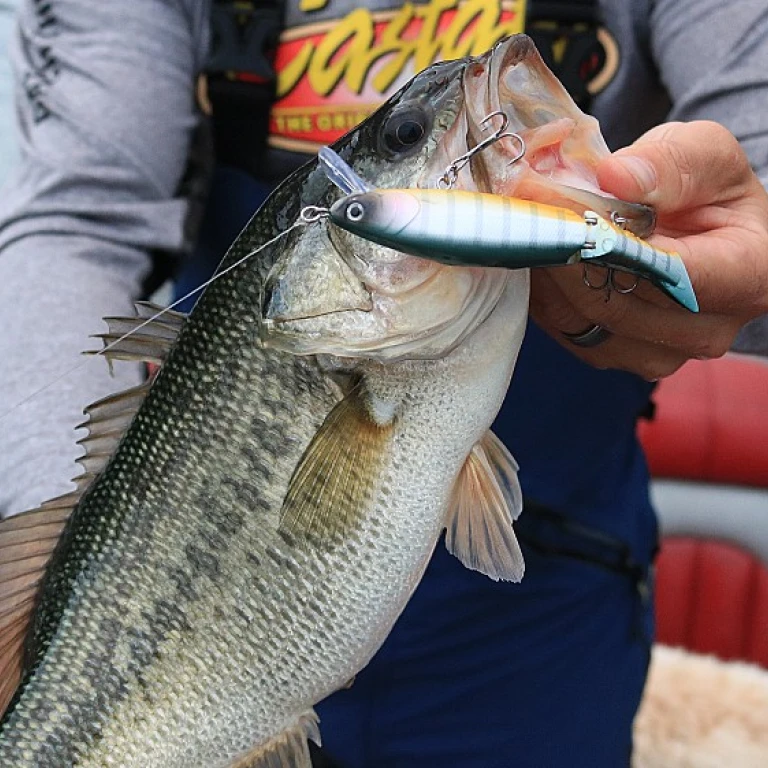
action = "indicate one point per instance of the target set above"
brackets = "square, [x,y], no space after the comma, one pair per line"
[26,544]
[339,471]
[107,422]
[486,500]
[143,338]
[288,749]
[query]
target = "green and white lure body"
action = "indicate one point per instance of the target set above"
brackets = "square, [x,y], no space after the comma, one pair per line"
[480,229]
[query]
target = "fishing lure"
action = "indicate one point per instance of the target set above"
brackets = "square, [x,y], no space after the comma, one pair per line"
[475,228]
[479,229]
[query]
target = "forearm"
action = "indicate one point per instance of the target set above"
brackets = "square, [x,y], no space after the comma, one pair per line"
[107,113]
[713,60]
[8,151]
[53,293]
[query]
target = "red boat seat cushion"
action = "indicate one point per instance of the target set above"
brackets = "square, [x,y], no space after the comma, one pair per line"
[711,423]
[712,597]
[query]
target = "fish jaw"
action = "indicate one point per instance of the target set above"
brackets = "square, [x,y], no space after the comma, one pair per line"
[427,322]
[563,146]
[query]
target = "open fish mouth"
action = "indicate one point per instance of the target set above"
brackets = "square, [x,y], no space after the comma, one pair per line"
[563,146]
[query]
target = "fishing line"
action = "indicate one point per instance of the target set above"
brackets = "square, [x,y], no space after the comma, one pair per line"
[303,221]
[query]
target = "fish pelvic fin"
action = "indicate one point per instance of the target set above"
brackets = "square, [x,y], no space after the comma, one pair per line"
[339,472]
[26,544]
[288,749]
[486,500]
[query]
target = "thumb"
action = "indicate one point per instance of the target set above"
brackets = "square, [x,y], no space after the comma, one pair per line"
[678,166]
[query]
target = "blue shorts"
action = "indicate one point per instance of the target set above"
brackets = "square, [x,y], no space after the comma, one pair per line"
[543,674]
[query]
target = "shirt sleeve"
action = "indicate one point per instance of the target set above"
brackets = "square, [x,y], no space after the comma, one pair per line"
[713,59]
[7,128]
[105,101]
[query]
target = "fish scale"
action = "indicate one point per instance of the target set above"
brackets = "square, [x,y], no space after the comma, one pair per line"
[101,511]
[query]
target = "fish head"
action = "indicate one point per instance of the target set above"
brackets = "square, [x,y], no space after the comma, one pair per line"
[334,293]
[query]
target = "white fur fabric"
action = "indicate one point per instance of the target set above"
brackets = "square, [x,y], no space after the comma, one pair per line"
[700,712]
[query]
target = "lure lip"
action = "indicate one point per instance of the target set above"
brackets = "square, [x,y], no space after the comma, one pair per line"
[340,173]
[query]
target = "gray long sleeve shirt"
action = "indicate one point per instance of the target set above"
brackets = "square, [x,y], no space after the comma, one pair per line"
[8,154]
[105,95]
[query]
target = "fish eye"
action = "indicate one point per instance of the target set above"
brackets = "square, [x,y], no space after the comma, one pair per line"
[355,211]
[404,129]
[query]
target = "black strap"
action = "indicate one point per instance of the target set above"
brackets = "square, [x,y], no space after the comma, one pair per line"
[241,77]
[566,34]
[553,534]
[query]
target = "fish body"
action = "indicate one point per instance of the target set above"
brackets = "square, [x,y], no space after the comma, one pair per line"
[244,547]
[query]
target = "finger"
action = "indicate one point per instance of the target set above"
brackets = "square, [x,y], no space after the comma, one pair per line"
[678,166]
[728,267]
[551,307]
[650,361]
[561,302]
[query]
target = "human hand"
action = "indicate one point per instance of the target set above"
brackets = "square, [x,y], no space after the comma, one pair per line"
[712,210]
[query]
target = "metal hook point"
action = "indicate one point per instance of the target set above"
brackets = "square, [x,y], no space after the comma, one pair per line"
[502,133]
[521,141]
[606,284]
[618,288]
[451,173]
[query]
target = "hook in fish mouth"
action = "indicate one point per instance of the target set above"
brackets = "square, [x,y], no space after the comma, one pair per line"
[563,145]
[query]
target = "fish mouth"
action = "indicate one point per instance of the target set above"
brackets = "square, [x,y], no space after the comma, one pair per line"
[563,146]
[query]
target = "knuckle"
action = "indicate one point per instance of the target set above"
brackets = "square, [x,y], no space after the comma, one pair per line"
[713,345]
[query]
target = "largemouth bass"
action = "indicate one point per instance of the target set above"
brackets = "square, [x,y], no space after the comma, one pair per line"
[252,523]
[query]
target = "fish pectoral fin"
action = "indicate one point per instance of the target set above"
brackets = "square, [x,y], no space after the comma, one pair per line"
[339,472]
[26,544]
[486,500]
[288,749]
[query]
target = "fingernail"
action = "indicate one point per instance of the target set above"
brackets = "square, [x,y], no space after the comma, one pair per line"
[642,171]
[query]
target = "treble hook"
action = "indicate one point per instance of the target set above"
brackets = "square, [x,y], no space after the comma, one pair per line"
[451,173]
[609,284]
